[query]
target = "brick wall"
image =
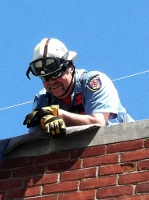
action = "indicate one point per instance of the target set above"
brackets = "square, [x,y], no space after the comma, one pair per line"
[114,171]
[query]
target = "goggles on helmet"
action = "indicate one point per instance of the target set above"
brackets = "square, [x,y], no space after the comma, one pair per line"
[47,66]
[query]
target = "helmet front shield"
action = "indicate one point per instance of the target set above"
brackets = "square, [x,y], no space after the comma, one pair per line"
[44,66]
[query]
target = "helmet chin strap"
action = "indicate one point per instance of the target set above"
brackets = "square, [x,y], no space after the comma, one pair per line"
[69,84]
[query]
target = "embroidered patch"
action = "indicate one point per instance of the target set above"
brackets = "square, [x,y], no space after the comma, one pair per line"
[94,84]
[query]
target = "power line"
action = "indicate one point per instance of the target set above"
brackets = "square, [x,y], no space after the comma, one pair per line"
[124,77]
[117,79]
[16,105]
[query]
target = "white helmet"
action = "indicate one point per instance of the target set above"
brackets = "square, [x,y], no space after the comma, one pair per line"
[53,48]
[49,56]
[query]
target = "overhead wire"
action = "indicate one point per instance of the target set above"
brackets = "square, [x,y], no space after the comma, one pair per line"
[117,79]
[124,77]
[20,104]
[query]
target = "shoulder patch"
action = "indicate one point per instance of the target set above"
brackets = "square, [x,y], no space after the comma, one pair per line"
[94,84]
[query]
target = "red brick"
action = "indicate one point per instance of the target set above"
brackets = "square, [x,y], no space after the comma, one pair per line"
[43,198]
[117,169]
[109,199]
[2,196]
[112,169]
[114,191]
[28,171]
[98,182]
[5,174]
[85,195]
[60,187]
[10,184]
[41,180]
[128,167]
[143,165]
[29,192]
[125,146]
[16,163]
[54,157]
[95,161]
[134,178]
[40,169]
[134,155]
[147,143]
[23,172]
[33,191]
[89,152]
[75,154]
[78,174]
[135,197]
[142,188]
[64,166]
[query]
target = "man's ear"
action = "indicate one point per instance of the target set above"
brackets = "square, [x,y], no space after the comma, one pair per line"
[71,69]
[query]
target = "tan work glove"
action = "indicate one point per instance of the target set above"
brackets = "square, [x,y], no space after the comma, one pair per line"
[33,118]
[54,126]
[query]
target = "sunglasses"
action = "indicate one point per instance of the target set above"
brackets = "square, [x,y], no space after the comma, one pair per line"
[47,66]
[53,76]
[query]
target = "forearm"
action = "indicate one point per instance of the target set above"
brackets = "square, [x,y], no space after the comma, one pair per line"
[72,119]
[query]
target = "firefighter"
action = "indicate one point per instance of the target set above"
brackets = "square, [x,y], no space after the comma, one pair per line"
[70,97]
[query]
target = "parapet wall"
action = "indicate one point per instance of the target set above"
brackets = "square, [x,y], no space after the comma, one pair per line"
[93,163]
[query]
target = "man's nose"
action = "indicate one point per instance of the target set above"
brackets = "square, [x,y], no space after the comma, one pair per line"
[51,81]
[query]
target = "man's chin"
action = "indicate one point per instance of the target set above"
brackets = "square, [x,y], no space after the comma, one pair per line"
[58,93]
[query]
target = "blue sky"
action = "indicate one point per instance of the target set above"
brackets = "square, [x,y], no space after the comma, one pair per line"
[111,36]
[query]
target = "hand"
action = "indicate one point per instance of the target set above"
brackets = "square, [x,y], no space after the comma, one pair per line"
[33,118]
[54,126]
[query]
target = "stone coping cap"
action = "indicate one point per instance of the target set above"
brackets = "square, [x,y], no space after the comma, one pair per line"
[38,143]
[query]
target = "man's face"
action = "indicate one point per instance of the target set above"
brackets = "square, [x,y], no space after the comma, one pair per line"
[59,86]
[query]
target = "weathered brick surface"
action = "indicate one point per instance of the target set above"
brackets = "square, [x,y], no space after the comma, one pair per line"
[142,188]
[134,178]
[2,195]
[5,174]
[41,180]
[100,160]
[135,197]
[117,171]
[125,146]
[143,165]
[117,168]
[114,191]
[98,182]
[64,166]
[44,198]
[147,143]
[110,169]
[135,155]
[109,198]
[19,193]
[54,157]
[78,174]
[27,171]
[81,195]
[93,151]
[60,187]
[11,184]
[17,163]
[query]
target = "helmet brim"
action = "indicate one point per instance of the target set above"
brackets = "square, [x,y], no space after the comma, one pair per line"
[72,55]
